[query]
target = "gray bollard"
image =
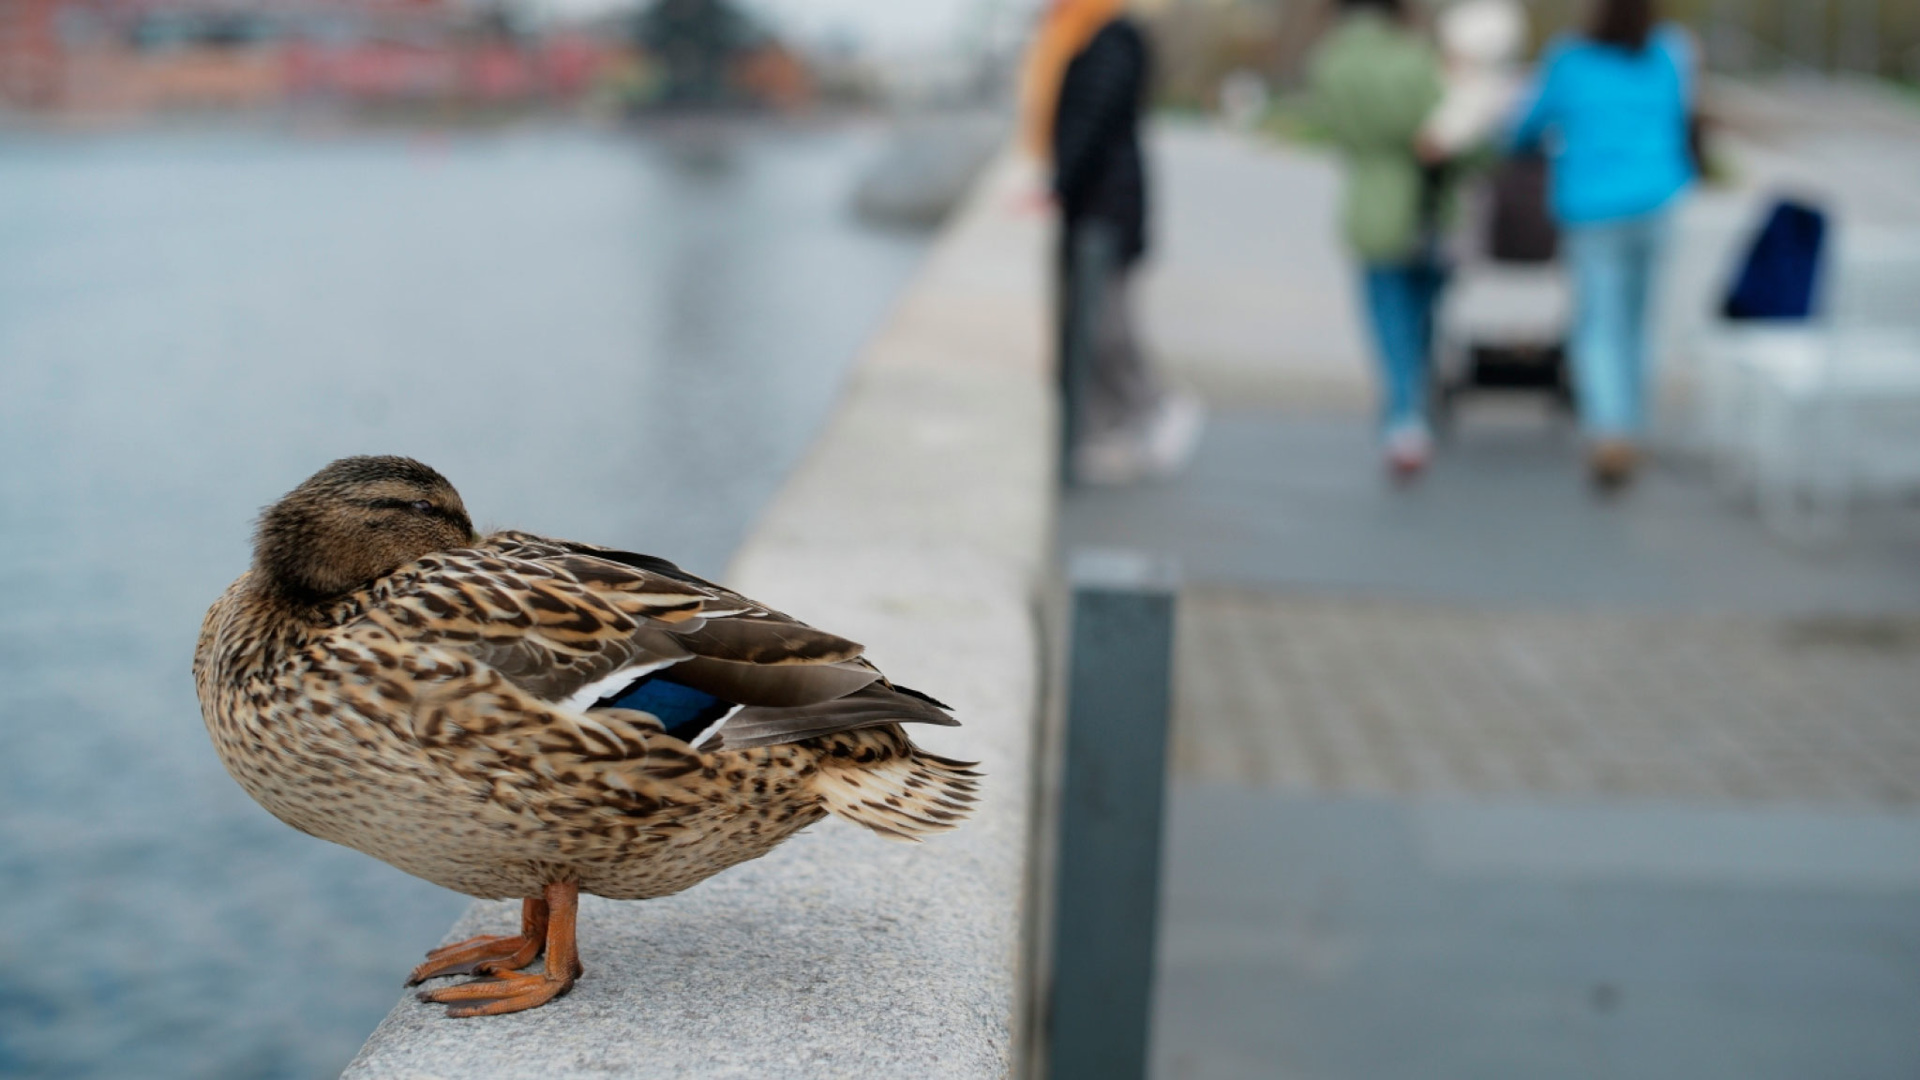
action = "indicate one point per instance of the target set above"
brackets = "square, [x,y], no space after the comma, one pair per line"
[1106,883]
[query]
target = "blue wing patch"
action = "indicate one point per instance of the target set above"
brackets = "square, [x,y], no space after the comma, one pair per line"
[686,712]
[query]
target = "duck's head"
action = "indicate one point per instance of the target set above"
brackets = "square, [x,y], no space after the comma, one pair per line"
[353,521]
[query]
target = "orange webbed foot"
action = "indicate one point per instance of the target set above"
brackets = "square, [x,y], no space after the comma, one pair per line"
[489,954]
[510,993]
[485,955]
[545,923]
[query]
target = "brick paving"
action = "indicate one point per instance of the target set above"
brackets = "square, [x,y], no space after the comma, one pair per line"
[1341,695]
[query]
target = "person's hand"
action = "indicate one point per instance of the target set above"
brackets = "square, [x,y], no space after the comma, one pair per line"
[1428,150]
[1033,201]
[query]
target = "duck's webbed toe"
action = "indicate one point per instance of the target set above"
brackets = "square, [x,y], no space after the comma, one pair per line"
[484,955]
[490,954]
[510,993]
[546,924]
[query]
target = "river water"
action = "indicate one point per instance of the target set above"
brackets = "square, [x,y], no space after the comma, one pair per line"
[620,338]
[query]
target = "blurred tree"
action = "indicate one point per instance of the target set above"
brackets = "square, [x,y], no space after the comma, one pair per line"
[694,43]
[1198,43]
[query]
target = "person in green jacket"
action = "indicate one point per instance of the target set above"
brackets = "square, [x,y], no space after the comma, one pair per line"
[1373,82]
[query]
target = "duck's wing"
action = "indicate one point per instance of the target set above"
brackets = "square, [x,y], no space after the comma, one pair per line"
[529,546]
[583,628]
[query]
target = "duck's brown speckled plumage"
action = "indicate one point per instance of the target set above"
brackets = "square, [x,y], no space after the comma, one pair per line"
[423,715]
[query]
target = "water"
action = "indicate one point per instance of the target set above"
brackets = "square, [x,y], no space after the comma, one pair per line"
[625,339]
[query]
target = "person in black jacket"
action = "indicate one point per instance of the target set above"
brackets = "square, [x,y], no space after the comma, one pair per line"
[1098,176]
[1120,424]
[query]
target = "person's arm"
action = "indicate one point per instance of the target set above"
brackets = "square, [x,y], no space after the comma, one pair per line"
[1678,42]
[1103,91]
[1432,101]
[1682,52]
[1540,108]
[1319,106]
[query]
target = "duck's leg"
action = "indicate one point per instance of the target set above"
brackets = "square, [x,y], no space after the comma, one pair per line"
[512,993]
[490,954]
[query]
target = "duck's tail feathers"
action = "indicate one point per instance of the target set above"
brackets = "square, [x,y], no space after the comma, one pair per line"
[879,779]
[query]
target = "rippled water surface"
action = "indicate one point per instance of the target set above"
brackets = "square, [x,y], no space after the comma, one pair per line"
[621,338]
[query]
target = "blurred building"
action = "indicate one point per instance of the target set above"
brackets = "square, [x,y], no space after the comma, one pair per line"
[130,57]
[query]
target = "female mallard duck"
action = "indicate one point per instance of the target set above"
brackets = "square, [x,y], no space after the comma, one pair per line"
[514,716]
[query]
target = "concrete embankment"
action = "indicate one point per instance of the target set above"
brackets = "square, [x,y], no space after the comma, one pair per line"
[918,524]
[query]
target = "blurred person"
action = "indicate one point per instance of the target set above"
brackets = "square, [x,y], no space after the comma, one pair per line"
[1086,87]
[1373,83]
[1611,106]
[1480,43]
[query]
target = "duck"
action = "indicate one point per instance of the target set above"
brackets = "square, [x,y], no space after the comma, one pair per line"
[513,716]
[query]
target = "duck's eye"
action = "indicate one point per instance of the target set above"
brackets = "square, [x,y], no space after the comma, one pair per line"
[422,506]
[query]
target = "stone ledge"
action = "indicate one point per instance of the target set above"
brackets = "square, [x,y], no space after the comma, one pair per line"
[918,524]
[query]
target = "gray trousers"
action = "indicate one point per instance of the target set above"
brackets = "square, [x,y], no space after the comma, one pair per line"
[1108,390]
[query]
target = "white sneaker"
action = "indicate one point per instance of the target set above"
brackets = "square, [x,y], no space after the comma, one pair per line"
[1409,449]
[1154,450]
[1173,434]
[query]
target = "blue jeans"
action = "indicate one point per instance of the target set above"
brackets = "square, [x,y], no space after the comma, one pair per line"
[1613,268]
[1400,299]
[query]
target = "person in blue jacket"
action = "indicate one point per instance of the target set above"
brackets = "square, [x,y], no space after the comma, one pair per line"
[1611,107]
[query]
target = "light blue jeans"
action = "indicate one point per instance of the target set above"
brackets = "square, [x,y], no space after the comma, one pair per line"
[1614,264]
[1400,299]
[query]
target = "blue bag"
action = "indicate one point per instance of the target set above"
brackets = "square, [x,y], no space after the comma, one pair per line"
[1780,275]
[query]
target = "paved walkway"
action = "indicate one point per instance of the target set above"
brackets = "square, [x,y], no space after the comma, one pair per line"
[1447,940]
[1295,500]
[1657,722]
[1329,601]
[1372,696]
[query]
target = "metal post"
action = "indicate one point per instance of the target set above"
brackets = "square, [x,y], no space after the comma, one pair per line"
[1107,882]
